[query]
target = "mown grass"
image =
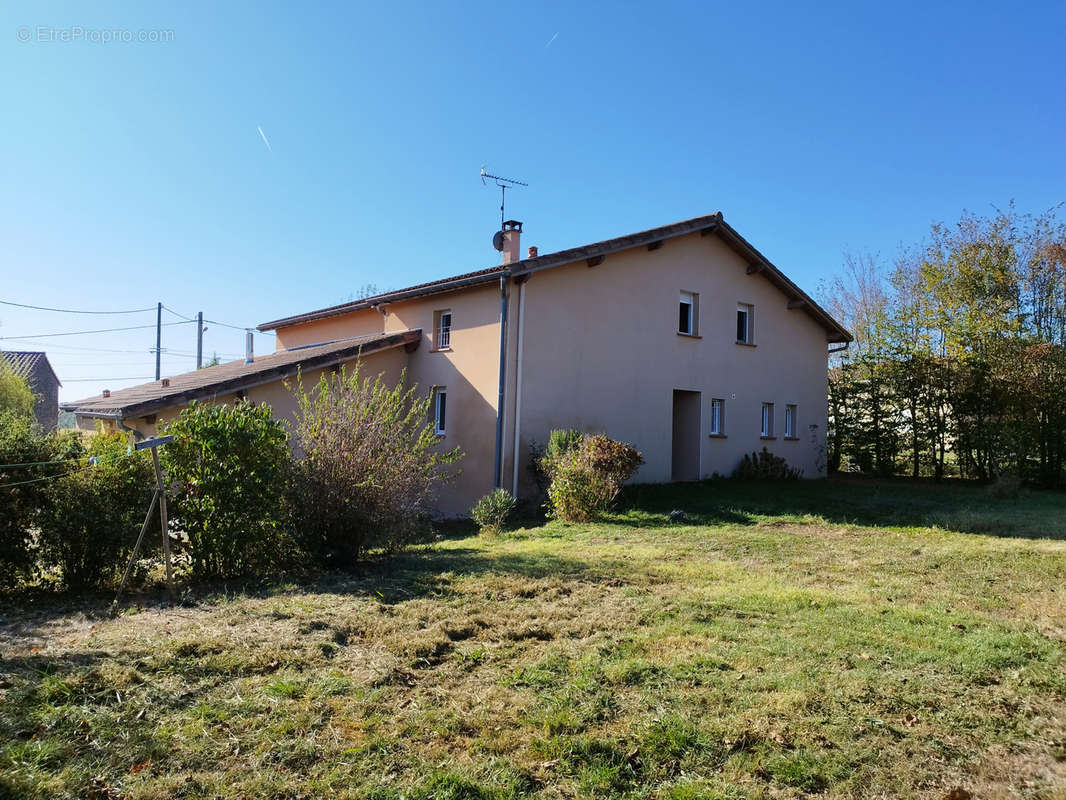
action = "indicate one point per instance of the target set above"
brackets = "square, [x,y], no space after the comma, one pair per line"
[841,639]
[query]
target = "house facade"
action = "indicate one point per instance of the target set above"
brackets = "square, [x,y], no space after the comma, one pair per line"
[38,373]
[682,340]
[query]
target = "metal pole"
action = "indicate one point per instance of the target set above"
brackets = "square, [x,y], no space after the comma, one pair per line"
[497,469]
[199,339]
[163,518]
[136,547]
[158,337]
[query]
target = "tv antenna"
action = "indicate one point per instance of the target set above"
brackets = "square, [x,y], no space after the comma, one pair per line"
[504,184]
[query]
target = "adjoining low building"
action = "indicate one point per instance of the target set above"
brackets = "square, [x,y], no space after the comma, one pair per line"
[37,370]
[683,340]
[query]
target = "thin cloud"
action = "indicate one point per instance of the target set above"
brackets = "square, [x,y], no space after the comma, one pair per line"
[264,137]
[549,44]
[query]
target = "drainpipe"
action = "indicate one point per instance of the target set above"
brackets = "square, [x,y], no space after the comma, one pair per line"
[839,349]
[497,478]
[518,383]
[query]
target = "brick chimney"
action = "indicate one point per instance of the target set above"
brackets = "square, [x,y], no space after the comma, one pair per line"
[532,252]
[512,235]
[106,393]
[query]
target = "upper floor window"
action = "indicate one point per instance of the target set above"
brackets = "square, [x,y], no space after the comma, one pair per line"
[688,314]
[790,422]
[440,410]
[767,420]
[717,416]
[745,323]
[444,330]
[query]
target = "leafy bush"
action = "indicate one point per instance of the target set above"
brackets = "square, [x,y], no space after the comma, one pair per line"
[15,393]
[371,465]
[491,511]
[92,516]
[586,476]
[23,489]
[765,466]
[561,441]
[229,466]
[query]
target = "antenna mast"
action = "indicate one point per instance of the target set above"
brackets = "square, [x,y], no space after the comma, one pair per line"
[504,184]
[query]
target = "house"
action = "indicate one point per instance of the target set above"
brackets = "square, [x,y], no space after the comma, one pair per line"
[683,340]
[38,372]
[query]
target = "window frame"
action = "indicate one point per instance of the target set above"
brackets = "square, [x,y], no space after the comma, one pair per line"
[790,421]
[748,310]
[440,410]
[766,421]
[692,300]
[439,333]
[716,418]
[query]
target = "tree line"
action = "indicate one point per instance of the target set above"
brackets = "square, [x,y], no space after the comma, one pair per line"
[959,362]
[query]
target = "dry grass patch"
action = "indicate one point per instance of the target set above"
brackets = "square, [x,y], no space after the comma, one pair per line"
[759,652]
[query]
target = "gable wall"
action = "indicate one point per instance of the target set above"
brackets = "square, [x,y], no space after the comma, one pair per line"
[602,353]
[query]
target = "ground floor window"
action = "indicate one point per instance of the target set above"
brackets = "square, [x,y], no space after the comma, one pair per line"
[767,419]
[717,416]
[790,422]
[440,410]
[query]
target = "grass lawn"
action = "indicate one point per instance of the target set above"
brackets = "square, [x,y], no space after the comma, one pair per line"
[842,638]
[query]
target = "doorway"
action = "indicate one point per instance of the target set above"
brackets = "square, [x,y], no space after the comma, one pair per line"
[686,438]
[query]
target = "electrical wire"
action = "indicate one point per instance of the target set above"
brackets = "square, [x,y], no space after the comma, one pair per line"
[74,311]
[80,333]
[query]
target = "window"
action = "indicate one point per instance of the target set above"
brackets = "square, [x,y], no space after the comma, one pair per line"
[767,420]
[717,416]
[790,422]
[745,323]
[444,330]
[440,409]
[687,314]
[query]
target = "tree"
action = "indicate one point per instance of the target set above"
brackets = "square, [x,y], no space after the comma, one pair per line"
[15,393]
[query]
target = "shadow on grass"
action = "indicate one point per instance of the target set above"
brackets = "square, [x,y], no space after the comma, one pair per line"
[956,506]
[389,579]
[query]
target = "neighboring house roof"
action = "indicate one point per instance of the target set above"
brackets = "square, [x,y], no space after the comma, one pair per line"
[24,363]
[234,376]
[712,223]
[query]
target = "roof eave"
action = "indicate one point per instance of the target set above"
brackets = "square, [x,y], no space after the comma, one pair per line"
[213,390]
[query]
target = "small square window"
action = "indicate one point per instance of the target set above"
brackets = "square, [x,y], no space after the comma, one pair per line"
[767,420]
[443,330]
[745,323]
[440,409]
[717,416]
[688,314]
[790,422]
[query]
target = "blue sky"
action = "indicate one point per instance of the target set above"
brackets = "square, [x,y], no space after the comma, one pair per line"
[135,172]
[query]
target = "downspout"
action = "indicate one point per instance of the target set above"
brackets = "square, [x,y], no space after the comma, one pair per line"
[838,349]
[518,383]
[497,477]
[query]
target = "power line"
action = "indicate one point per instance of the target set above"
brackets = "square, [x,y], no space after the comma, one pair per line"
[73,311]
[80,333]
[176,314]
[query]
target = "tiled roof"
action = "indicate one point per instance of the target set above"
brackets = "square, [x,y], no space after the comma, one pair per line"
[24,362]
[234,376]
[598,250]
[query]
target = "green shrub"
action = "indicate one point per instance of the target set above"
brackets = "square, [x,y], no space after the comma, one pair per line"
[587,475]
[491,511]
[15,393]
[23,489]
[371,466]
[561,441]
[765,466]
[229,468]
[92,516]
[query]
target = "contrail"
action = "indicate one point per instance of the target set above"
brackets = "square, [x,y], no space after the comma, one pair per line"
[265,140]
[549,44]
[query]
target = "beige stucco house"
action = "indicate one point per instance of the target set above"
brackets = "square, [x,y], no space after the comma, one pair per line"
[682,340]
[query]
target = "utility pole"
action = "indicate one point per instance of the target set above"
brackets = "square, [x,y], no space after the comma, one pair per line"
[199,339]
[158,337]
